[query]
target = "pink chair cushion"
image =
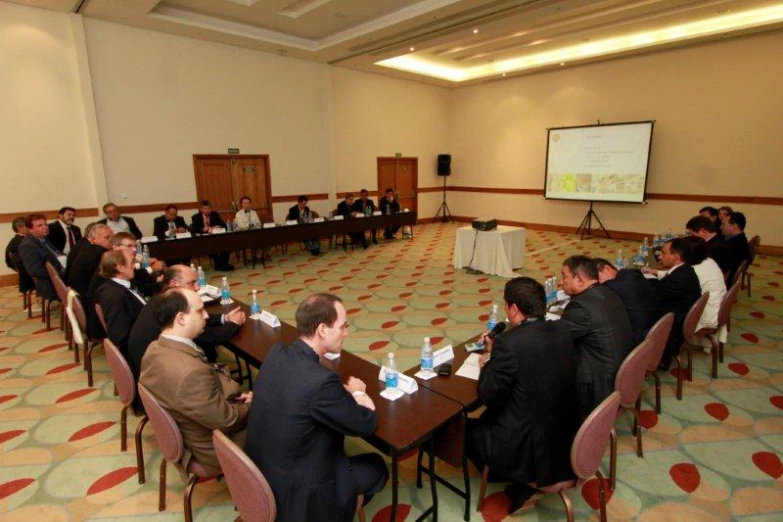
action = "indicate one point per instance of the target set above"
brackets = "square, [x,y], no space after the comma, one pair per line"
[659,334]
[693,317]
[728,303]
[630,376]
[123,378]
[591,440]
[166,430]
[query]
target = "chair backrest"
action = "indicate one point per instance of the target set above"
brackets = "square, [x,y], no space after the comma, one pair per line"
[59,286]
[753,246]
[249,490]
[659,335]
[590,442]
[167,432]
[692,319]
[729,300]
[99,314]
[741,269]
[123,377]
[630,376]
[78,311]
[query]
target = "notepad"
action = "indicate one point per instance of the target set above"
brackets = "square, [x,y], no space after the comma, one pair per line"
[470,368]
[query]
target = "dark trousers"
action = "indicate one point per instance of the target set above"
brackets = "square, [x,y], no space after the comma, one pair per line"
[357,238]
[220,259]
[371,474]
[389,232]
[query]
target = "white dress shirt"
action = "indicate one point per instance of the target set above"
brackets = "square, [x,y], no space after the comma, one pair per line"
[118,226]
[245,218]
[184,340]
[127,284]
[711,280]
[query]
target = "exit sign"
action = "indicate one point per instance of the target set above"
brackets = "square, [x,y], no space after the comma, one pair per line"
[233,151]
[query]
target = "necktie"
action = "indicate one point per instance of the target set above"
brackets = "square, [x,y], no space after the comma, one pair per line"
[70,237]
[206,221]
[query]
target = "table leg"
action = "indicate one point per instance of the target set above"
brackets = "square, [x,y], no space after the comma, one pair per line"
[395,485]
[418,467]
[465,473]
[433,482]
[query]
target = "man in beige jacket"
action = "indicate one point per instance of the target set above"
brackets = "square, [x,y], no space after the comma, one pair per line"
[200,396]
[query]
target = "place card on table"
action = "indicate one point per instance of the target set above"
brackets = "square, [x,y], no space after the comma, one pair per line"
[338,218]
[218,231]
[269,319]
[149,239]
[268,225]
[184,235]
[291,222]
[443,355]
[377,213]
[404,383]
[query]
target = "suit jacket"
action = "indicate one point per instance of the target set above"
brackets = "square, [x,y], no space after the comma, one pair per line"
[80,270]
[639,299]
[343,209]
[529,388]
[161,225]
[296,432]
[146,330]
[385,205]
[120,310]
[721,253]
[295,213]
[740,251]
[197,394]
[57,235]
[197,222]
[33,254]
[602,336]
[73,254]
[677,292]
[362,206]
[132,227]
[14,262]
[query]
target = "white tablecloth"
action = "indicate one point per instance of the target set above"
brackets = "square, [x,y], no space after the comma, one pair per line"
[498,252]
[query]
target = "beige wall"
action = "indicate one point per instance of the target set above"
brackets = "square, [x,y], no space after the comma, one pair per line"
[718,113]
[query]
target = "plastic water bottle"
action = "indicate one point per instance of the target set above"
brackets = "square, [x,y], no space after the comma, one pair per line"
[645,249]
[145,257]
[225,292]
[254,307]
[553,289]
[172,230]
[426,356]
[202,279]
[391,371]
[620,261]
[138,252]
[493,317]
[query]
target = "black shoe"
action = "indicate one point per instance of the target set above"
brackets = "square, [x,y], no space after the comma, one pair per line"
[518,495]
[374,241]
[315,253]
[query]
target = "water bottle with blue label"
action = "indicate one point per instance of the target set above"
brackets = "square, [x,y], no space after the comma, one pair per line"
[202,279]
[645,249]
[254,307]
[620,261]
[145,257]
[426,356]
[391,371]
[225,292]
[553,289]
[493,317]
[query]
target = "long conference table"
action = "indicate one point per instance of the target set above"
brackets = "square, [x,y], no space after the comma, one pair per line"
[199,245]
[408,423]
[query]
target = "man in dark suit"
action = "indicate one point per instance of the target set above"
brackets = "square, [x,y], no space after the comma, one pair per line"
[302,213]
[677,289]
[168,226]
[205,222]
[367,207]
[63,234]
[145,279]
[298,425]
[717,248]
[637,295]
[345,209]
[12,260]
[83,267]
[35,250]
[119,223]
[529,389]
[389,205]
[120,302]
[218,330]
[600,329]
[733,228]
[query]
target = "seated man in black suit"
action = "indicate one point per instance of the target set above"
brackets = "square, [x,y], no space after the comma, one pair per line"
[529,389]
[119,223]
[63,234]
[145,279]
[600,328]
[218,330]
[85,264]
[120,302]
[299,418]
[638,296]
[717,249]
[367,207]
[677,288]
[35,250]
[734,235]
[77,249]
[302,213]
[205,222]
[168,226]
[389,205]
[345,209]
[12,260]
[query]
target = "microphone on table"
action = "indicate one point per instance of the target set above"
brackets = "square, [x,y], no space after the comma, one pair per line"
[496,330]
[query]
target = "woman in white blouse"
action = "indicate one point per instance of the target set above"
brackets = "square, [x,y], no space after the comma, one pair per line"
[711,280]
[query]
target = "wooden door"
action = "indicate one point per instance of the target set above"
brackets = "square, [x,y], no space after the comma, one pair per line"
[224,179]
[402,175]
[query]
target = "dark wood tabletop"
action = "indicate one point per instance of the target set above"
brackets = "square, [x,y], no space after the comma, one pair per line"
[267,237]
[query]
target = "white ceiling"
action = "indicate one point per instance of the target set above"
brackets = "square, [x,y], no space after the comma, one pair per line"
[443,42]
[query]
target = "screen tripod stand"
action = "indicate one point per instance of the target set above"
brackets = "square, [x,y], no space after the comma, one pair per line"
[587,223]
[443,210]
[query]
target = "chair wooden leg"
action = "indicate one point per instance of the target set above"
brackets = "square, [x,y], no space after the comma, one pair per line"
[569,508]
[162,487]
[715,352]
[601,495]
[690,364]
[48,315]
[679,378]
[29,304]
[62,321]
[637,413]
[749,279]
[43,311]
[720,352]
[140,451]
[88,362]
[657,379]
[482,488]
[613,459]
[188,494]
[124,429]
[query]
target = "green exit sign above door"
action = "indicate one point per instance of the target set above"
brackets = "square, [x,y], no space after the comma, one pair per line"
[233,151]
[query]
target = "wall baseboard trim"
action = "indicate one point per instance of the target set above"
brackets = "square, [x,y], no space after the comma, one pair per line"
[9,280]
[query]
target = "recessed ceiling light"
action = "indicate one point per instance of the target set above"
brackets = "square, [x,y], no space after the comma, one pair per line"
[475,31]
[412,49]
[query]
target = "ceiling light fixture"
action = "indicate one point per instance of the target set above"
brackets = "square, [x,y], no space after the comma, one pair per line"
[412,49]
[475,31]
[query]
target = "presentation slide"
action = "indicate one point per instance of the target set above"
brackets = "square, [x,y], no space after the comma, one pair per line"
[598,162]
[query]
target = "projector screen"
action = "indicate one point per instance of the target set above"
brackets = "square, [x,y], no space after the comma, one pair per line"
[598,162]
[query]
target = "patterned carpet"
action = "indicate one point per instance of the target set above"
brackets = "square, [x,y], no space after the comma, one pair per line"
[713,456]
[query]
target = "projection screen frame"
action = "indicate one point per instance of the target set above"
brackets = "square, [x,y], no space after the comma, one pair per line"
[599,124]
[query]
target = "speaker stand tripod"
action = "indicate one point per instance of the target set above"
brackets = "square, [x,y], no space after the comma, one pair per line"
[443,210]
[587,224]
